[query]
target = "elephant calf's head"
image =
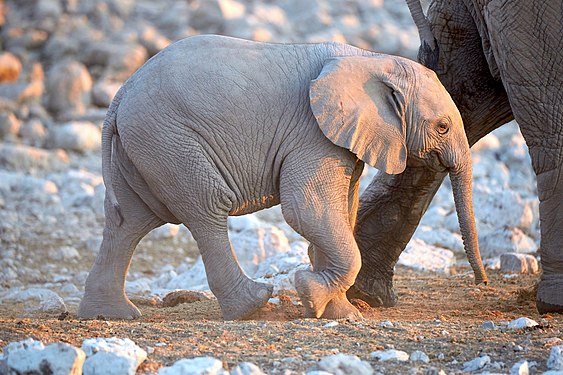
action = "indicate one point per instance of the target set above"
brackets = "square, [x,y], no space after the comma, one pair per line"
[392,112]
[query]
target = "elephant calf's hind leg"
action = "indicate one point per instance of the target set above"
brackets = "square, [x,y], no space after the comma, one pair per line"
[237,294]
[104,293]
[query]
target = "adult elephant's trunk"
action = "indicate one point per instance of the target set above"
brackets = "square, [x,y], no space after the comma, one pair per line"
[428,52]
[461,179]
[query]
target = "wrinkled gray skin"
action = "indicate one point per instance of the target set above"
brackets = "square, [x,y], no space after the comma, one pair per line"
[499,60]
[215,126]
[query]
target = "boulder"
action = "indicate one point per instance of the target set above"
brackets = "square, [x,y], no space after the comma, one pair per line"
[195,366]
[32,357]
[9,125]
[419,356]
[247,368]
[33,132]
[518,263]
[80,136]
[390,355]
[506,240]
[116,60]
[342,364]
[423,257]
[21,157]
[112,356]
[476,363]
[103,92]
[22,92]
[522,322]
[37,300]
[253,246]
[555,360]
[69,87]
[10,67]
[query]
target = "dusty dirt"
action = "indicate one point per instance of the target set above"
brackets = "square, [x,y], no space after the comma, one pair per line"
[440,315]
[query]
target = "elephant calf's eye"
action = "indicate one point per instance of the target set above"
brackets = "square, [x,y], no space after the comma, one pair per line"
[443,127]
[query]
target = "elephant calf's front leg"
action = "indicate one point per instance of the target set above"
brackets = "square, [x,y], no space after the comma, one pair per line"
[317,207]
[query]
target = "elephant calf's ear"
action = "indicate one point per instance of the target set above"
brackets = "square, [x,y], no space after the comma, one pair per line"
[356,109]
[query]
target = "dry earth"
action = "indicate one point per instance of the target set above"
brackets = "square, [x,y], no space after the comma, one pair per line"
[440,315]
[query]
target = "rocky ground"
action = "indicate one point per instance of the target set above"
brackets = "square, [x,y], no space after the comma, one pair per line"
[63,61]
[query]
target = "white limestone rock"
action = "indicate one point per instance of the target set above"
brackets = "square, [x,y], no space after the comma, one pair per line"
[390,355]
[80,136]
[247,368]
[253,246]
[343,364]
[476,363]
[555,360]
[520,368]
[103,92]
[64,253]
[26,158]
[195,366]
[112,356]
[504,207]
[518,263]
[33,133]
[522,322]
[419,356]
[139,287]
[32,357]
[440,237]
[165,231]
[69,86]
[37,300]
[423,257]
[506,240]
[193,278]
[9,126]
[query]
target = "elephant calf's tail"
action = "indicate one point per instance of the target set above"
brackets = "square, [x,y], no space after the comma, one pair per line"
[108,131]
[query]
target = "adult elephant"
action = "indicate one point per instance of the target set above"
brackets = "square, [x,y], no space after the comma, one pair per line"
[500,60]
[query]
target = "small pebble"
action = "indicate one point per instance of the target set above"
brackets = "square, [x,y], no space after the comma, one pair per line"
[476,363]
[522,322]
[331,324]
[488,325]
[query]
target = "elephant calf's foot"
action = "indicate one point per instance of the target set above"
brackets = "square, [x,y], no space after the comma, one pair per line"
[244,300]
[340,308]
[313,292]
[92,308]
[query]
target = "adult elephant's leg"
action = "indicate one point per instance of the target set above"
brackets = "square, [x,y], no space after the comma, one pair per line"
[550,289]
[392,206]
[526,39]
[390,210]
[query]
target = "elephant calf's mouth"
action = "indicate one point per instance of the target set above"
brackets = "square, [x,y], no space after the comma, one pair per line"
[430,160]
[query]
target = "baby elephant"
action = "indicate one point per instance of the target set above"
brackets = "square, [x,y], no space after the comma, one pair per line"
[215,126]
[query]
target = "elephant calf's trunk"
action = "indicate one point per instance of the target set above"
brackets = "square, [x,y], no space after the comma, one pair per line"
[462,185]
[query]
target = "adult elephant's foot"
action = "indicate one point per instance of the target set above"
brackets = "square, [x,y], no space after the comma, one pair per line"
[389,212]
[94,306]
[377,292]
[550,295]
[340,308]
[244,299]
